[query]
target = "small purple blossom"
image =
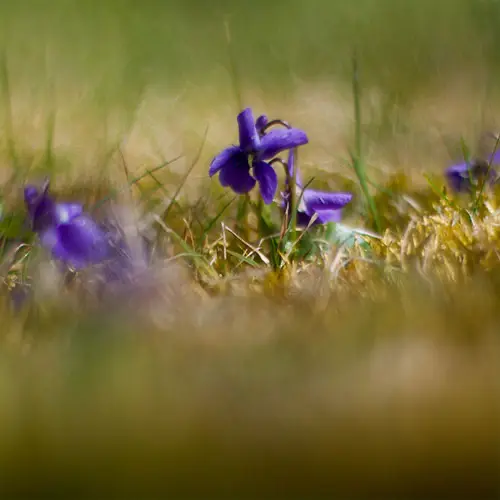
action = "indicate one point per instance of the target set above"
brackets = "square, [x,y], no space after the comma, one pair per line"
[19,296]
[325,205]
[129,276]
[235,162]
[129,254]
[462,177]
[69,234]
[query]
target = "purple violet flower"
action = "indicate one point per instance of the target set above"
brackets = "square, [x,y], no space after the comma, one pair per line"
[462,177]
[234,163]
[69,234]
[326,205]
[129,275]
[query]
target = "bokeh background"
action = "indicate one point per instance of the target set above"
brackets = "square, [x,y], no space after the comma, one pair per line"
[269,382]
[153,75]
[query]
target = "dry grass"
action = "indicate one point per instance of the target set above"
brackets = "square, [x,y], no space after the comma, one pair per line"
[257,395]
[416,138]
[365,378]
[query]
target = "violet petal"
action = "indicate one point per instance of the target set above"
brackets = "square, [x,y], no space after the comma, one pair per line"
[278,140]
[316,201]
[459,177]
[225,156]
[67,211]
[249,137]
[49,238]
[236,175]
[43,213]
[303,220]
[31,195]
[82,240]
[267,179]
[325,216]
[494,157]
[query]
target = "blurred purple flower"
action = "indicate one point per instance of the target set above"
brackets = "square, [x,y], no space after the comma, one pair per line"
[69,234]
[234,163]
[19,296]
[326,205]
[127,274]
[463,176]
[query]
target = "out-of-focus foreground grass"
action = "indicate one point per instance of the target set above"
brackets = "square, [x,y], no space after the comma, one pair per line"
[396,394]
[363,375]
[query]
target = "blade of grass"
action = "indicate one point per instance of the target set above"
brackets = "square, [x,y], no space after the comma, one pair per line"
[198,258]
[49,141]
[48,159]
[441,194]
[233,70]
[135,180]
[215,219]
[7,102]
[251,247]
[356,156]
[241,215]
[287,245]
[290,218]
[242,258]
[187,174]
[299,201]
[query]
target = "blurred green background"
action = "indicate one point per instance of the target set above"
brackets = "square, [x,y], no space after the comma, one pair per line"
[95,58]
[126,44]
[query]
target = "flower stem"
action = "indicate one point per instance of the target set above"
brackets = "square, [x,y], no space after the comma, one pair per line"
[288,233]
[273,123]
[292,179]
[260,215]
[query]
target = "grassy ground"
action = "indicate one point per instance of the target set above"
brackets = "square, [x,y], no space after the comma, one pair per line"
[365,367]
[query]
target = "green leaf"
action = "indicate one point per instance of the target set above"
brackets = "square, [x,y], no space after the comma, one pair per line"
[13,226]
[339,234]
[307,247]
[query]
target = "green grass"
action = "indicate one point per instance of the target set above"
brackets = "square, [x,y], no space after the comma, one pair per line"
[171,41]
[116,48]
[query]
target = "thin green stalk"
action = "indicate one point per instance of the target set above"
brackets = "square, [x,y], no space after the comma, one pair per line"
[187,174]
[295,242]
[486,177]
[292,179]
[356,157]
[242,258]
[232,67]
[99,203]
[214,220]
[441,194]
[292,183]
[260,215]
[241,215]
[7,98]
[51,115]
